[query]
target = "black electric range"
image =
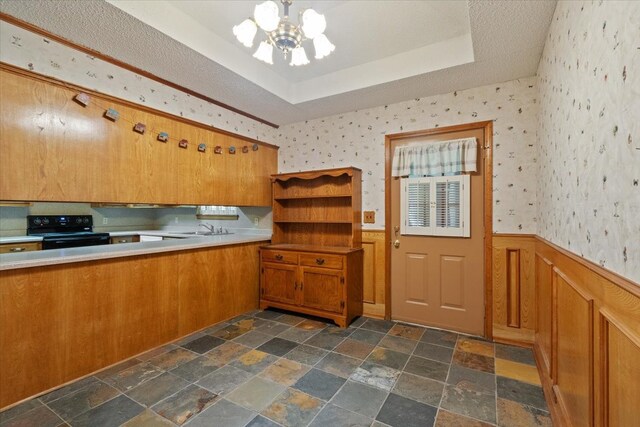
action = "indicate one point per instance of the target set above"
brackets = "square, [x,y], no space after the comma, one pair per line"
[65,231]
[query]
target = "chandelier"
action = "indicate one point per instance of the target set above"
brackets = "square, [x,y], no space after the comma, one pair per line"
[283,34]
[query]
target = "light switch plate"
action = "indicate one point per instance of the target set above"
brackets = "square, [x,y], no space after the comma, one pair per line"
[369,217]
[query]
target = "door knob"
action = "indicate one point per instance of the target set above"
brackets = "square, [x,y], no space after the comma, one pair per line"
[396,243]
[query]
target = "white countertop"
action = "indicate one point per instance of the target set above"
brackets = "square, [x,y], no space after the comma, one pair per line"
[89,253]
[20,239]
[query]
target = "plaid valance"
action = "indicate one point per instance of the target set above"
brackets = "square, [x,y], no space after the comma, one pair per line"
[436,158]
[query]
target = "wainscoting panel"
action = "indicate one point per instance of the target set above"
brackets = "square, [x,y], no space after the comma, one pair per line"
[374,272]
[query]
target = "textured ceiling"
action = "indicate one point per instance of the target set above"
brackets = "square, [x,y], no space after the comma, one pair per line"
[508,38]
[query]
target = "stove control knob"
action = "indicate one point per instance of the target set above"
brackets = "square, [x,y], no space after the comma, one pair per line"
[86,220]
[45,221]
[78,220]
[37,221]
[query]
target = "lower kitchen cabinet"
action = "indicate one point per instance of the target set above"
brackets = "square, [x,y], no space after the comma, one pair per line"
[321,281]
[10,248]
[125,239]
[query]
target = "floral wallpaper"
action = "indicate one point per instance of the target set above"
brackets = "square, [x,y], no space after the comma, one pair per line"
[357,139]
[589,133]
[31,51]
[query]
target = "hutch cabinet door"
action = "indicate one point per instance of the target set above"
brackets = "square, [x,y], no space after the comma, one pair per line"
[279,283]
[322,289]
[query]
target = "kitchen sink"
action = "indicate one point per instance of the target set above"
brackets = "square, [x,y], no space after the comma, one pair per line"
[202,233]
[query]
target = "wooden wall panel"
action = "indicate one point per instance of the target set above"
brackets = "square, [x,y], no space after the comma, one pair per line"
[374,272]
[544,310]
[53,149]
[59,323]
[514,312]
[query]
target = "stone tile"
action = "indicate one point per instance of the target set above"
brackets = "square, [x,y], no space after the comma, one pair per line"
[443,338]
[472,379]
[133,376]
[268,314]
[378,325]
[297,335]
[277,346]
[185,404]
[520,392]
[234,331]
[40,416]
[338,364]
[195,369]
[148,418]
[244,316]
[111,414]
[256,393]
[358,322]
[419,388]
[227,352]
[161,387]
[203,344]
[253,339]
[223,413]
[285,372]
[306,354]
[515,354]
[293,408]
[427,368]
[189,338]
[70,388]
[366,336]
[402,412]
[311,325]
[376,375]
[118,368]
[224,380]
[20,409]
[407,331]
[289,319]
[514,414]
[88,397]
[273,328]
[211,329]
[337,331]
[173,358]
[261,421]
[335,416]
[402,345]
[449,419]
[319,384]
[471,345]
[254,361]
[386,357]
[434,352]
[323,340]
[353,348]
[517,371]
[156,352]
[470,401]
[474,361]
[360,398]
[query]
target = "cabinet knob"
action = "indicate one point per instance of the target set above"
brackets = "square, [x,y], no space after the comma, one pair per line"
[16,249]
[319,261]
[122,241]
[279,257]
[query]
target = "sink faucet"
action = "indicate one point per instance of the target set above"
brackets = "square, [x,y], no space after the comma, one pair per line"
[211,228]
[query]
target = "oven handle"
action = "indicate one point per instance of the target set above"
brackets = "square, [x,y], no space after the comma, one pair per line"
[71,239]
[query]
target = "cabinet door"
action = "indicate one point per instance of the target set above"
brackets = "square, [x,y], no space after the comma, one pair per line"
[322,289]
[279,283]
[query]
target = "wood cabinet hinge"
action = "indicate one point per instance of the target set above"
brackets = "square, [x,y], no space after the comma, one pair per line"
[342,305]
[341,279]
[263,269]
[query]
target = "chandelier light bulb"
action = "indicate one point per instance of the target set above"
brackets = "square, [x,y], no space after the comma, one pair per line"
[323,46]
[245,32]
[267,15]
[313,24]
[264,52]
[299,57]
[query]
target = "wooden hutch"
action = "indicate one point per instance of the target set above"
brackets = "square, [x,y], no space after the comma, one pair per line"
[314,264]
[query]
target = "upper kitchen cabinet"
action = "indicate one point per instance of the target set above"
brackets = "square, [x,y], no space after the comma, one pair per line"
[52,148]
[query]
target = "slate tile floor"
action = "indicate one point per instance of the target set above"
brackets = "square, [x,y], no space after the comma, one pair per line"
[269,368]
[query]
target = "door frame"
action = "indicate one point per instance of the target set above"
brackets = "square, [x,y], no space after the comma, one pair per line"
[487,128]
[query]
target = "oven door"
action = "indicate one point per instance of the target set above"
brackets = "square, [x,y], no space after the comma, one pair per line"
[74,241]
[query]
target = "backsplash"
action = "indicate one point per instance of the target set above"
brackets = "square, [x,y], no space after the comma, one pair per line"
[30,51]
[357,139]
[589,134]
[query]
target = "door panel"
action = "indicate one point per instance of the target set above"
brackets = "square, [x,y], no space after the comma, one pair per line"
[322,289]
[278,283]
[439,281]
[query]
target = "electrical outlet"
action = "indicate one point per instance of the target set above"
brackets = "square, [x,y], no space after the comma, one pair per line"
[175,220]
[256,220]
[369,217]
[105,221]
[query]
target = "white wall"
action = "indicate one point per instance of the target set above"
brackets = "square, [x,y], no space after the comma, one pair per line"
[589,133]
[357,139]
